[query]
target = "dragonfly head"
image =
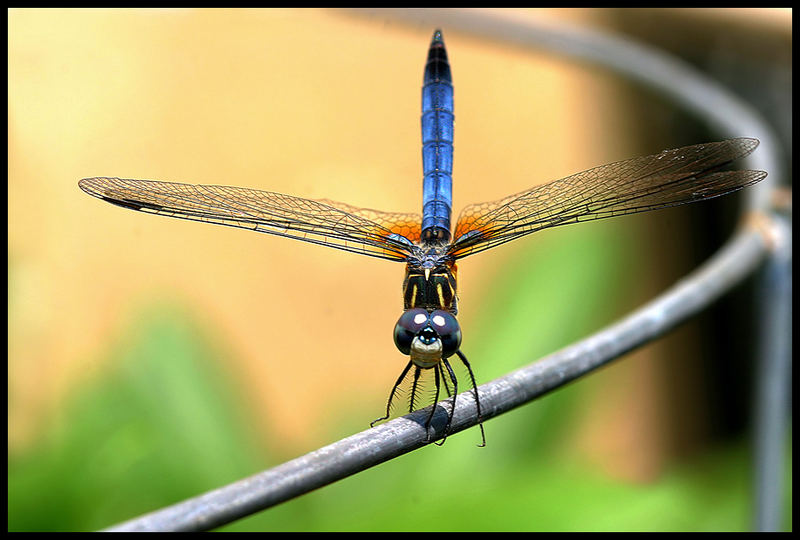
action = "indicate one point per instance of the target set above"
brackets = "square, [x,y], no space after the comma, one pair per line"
[427,336]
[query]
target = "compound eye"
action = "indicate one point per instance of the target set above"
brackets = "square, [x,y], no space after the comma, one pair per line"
[408,326]
[449,331]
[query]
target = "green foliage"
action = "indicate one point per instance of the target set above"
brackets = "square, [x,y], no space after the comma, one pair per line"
[158,426]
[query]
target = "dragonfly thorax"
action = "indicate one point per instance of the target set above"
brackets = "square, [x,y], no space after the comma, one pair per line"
[430,288]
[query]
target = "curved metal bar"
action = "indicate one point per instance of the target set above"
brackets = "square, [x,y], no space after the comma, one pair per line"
[773,380]
[737,259]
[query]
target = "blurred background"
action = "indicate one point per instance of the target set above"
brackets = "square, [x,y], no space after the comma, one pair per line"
[150,360]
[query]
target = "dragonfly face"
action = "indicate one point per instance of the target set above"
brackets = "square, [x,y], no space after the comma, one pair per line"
[427,331]
[427,337]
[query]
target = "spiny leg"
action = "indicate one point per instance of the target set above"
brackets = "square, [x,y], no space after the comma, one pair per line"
[412,401]
[455,393]
[435,400]
[444,379]
[474,391]
[391,395]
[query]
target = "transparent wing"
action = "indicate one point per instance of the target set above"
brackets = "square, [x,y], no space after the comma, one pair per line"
[369,232]
[670,178]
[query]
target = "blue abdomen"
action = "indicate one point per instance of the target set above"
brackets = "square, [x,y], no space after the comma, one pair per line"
[437,144]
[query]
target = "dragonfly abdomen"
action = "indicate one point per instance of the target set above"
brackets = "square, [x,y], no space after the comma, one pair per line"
[437,144]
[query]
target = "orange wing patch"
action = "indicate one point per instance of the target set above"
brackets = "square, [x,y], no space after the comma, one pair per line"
[407,225]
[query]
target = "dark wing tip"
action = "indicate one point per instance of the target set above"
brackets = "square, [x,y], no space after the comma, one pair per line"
[99,187]
[133,205]
[83,183]
[93,186]
[756,177]
[751,141]
[745,144]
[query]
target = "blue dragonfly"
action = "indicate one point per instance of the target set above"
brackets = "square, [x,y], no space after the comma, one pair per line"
[427,332]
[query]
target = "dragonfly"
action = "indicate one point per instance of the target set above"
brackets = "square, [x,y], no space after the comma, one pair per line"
[427,332]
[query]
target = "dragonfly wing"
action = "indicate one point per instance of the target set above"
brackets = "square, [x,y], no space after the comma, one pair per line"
[369,232]
[405,224]
[670,178]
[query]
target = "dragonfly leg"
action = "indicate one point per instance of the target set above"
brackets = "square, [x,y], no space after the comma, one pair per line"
[391,395]
[455,393]
[412,400]
[475,392]
[435,400]
[444,379]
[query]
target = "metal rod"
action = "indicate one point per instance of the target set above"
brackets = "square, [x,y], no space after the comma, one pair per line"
[773,376]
